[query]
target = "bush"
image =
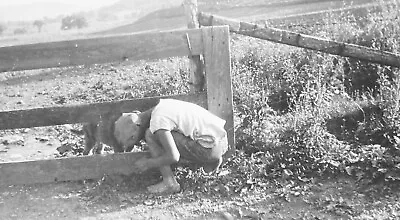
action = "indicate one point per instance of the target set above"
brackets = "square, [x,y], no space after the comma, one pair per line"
[305,148]
[73,21]
[302,110]
[39,24]
[378,29]
[2,28]
[20,31]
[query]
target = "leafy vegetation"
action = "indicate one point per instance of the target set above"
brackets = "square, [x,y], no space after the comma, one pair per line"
[73,21]
[39,24]
[2,28]
[325,114]
[302,114]
[20,31]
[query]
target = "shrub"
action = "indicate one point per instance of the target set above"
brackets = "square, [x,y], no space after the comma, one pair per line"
[2,28]
[312,91]
[378,29]
[18,31]
[73,21]
[305,148]
[39,24]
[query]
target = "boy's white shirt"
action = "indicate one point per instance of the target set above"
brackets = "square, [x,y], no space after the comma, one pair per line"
[189,119]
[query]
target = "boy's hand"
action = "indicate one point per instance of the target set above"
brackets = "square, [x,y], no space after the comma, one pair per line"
[141,165]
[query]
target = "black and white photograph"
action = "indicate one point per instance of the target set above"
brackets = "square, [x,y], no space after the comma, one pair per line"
[200,109]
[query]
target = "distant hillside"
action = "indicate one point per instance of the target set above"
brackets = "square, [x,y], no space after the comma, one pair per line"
[124,5]
[173,18]
[51,9]
[134,9]
[164,19]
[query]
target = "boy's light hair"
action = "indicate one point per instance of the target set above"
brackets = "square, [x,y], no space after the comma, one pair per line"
[126,126]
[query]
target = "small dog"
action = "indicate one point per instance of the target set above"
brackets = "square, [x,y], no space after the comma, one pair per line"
[98,133]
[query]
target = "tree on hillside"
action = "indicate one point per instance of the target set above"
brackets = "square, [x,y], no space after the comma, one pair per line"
[2,28]
[39,24]
[73,21]
[18,31]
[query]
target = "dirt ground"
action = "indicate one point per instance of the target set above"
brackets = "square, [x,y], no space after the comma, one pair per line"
[128,200]
[123,197]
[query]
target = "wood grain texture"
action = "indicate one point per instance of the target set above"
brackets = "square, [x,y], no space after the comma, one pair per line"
[84,113]
[303,41]
[100,50]
[218,98]
[196,70]
[218,76]
[64,169]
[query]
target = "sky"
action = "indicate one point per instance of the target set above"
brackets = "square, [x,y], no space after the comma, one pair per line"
[81,3]
[14,9]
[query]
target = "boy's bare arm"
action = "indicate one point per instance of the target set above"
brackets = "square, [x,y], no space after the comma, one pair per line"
[170,155]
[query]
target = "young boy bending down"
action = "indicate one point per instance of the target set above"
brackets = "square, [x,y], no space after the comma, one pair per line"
[173,130]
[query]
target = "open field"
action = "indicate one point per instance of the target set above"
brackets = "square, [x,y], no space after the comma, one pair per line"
[277,12]
[51,32]
[257,11]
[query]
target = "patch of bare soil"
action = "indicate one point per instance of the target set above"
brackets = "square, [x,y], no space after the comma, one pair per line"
[120,197]
[125,197]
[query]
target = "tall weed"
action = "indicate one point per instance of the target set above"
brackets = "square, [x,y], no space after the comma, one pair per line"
[287,97]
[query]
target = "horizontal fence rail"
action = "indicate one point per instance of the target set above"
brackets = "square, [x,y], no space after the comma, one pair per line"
[84,113]
[101,50]
[63,169]
[302,40]
[211,42]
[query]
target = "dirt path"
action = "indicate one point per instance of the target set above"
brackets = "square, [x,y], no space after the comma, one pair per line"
[108,199]
[118,197]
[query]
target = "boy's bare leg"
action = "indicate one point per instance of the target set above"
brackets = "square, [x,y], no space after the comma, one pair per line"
[169,183]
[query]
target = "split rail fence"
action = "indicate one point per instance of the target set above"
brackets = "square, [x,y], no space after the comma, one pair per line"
[301,40]
[212,43]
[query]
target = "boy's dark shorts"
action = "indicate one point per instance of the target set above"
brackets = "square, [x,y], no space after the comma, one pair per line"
[191,150]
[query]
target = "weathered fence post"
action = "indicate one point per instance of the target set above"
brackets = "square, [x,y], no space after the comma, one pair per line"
[212,44]
[196,74]
[217,59]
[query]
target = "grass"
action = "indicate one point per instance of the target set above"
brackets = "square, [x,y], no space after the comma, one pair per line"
[306,114]
[303,89]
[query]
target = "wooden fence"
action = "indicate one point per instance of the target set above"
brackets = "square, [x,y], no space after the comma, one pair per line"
[301,40]
[211,43]
[208,51]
